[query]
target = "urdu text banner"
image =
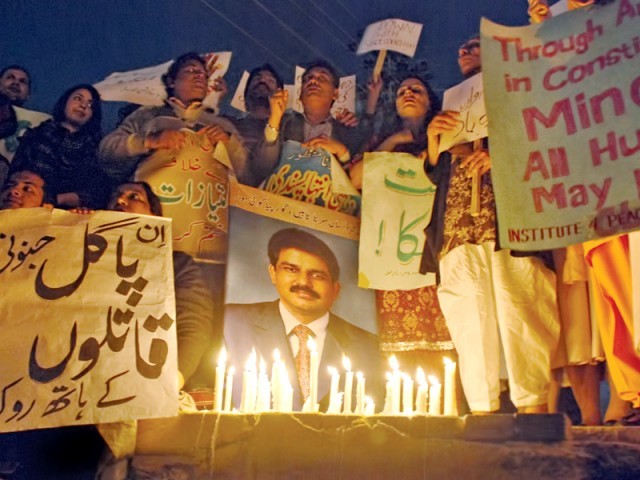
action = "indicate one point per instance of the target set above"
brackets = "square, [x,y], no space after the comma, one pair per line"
[88,318]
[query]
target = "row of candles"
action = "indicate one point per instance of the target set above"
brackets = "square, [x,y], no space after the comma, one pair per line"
[404,396]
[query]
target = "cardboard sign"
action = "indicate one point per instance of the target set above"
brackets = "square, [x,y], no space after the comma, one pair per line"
[396,208]
[468,99]
[392,34]
[88,318]
[237,101]
[562,99]
[313,176]
[144,86]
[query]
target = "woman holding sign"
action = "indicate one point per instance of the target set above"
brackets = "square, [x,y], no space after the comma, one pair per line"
[411,324]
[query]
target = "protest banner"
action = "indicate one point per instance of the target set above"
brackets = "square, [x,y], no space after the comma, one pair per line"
[144,86]
[392,34]
[192,185]
[468,99]
[562,99]
[294,90]
[88,319]
[237,101]
[314,176]
[26,119]
[396,208]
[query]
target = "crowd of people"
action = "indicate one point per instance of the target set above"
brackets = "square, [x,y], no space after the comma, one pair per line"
[534,311]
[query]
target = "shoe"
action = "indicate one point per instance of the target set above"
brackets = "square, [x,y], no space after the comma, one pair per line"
[632,419]
[611,423]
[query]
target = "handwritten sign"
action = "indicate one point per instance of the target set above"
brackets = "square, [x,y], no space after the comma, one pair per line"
[562,98]
[391,34]
[237,101]
[144,86]
[468,99]
[192,185]
[346,94]
[88,319]
[26,119]
[396,207]
[306,174]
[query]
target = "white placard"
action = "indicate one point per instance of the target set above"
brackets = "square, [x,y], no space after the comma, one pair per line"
[391,34]
[144,86]
[468,99]
[237,101]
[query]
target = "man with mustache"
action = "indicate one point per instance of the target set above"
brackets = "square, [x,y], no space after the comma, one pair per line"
[306,275]
[315,127]
[262,83]
[15,88]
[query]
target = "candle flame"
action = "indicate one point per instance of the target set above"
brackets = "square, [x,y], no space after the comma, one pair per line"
[231,371]
[393,362]
[250,365]
[420,376]
[346,363]
[311,343]
[276,355]
[332,371]
[448,362]
[222,357]
[359,375]
[434,380]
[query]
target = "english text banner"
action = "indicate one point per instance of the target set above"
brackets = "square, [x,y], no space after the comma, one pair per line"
[563,99]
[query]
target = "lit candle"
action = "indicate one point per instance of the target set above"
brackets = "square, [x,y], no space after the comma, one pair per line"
[450,400]
[219,383]
[286,392]
[388,394]
[228,390]
[275,380]
[407,394]
[434,395]
[396,385]
[264,389]
[249,381]
[360,403]
[334,402]
[421,396]
[313,375]
[370,407]
[348,385]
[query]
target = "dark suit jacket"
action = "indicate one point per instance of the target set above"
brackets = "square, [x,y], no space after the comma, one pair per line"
[260,326]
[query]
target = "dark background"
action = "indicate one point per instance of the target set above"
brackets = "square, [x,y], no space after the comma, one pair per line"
[65,42]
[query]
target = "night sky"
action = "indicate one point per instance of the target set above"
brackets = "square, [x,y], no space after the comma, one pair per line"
[65,42]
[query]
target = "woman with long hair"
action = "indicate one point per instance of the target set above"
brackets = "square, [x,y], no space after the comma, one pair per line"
[63,150]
